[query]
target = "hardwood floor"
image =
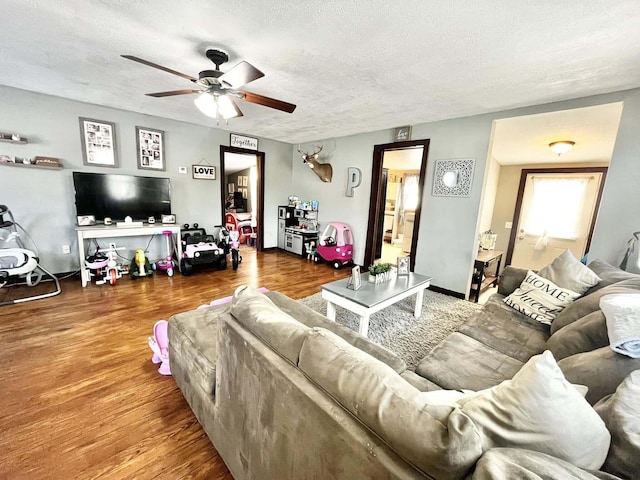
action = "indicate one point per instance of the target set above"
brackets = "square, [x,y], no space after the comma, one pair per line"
[80,396]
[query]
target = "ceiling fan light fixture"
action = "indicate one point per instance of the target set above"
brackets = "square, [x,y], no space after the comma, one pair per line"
[226,108]
[206,103]
[561,146]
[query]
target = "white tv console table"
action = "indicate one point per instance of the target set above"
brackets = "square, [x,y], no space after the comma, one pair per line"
[112,231]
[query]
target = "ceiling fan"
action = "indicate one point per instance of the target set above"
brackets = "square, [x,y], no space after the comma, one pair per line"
[217,90]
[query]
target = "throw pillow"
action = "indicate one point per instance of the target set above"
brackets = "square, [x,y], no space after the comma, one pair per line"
[539,410]
[568,272]
[621,414]
[540,298]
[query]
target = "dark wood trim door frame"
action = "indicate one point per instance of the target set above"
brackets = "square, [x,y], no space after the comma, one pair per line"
[523,181]
[376,190]
[223,188]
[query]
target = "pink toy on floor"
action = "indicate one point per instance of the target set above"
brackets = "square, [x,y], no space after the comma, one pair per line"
[159,344]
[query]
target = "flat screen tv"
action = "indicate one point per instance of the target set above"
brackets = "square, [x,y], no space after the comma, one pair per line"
[118,196]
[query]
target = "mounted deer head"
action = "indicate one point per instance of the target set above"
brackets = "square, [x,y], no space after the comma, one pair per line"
[323,170]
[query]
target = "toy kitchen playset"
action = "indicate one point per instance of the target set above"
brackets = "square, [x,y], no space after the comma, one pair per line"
[297,226]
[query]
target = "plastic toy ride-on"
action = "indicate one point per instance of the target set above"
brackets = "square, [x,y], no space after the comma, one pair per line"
[335,245]
[198,248]
[168,263]
[140,266]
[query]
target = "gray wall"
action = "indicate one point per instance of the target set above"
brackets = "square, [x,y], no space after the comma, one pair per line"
[43,201]
[447,241]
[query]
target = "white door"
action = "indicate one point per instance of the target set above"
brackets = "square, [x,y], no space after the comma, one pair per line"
[556,215]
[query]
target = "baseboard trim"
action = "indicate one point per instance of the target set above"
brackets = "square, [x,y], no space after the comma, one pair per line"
[445,291]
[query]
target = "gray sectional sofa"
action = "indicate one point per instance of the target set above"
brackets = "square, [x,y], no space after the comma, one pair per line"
[284,393]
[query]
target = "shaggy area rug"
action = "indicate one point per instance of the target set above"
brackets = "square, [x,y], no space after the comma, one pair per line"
[397,329]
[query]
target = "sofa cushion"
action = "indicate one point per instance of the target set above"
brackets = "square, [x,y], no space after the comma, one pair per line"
[601,370]
[520,464]
[461,362]
[540,298]
[419,382]
[540,410]
[585,334]
[621,413]
[590,303]
[259,315]
[568,272]
[506,330]
[193,336]
[311,318]
[438,439]
[608,274]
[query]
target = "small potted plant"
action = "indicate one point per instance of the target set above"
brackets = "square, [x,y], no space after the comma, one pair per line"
[380,272]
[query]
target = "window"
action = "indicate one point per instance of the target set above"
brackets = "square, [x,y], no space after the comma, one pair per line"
[556,205]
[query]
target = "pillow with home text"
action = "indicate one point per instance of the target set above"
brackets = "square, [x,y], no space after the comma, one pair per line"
[539,298]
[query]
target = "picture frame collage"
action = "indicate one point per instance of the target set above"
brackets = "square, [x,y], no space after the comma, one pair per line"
[243,184]
[99,145]
[98,142]
[150,144]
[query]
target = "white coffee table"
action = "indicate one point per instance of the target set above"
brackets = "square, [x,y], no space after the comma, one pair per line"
[370,298]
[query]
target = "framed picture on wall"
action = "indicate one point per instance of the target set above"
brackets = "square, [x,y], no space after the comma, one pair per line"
[244,192]
[150,143]
[232,187]
[98,142]
[245,181]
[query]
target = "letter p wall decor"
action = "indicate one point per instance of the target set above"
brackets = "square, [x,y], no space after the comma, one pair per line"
[354,177]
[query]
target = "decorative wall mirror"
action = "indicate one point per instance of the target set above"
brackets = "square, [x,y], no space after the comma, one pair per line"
[450,178]
[453,178]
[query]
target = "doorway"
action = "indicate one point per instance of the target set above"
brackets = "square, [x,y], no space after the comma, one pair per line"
[395,205]
[555,210]
[242,190]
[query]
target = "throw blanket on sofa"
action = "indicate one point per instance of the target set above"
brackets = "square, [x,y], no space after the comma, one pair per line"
[622,313]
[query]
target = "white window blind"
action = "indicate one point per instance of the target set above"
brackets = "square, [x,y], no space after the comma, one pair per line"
[556,206]
[410,192]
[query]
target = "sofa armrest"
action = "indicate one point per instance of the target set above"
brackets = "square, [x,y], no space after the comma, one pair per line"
[510,279]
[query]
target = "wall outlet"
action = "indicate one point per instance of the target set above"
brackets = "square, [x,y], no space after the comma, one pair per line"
[66,249]
[508,224]
[182,170]
[112,246]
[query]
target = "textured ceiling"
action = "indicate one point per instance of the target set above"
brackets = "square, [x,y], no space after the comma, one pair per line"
[526,139]
[351,67]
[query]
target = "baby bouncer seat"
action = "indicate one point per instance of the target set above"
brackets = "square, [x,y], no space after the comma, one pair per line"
[19,265]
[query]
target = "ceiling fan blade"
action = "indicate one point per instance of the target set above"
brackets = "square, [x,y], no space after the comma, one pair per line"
[239,75]
[159,67]
[173,92]
[267,101]
[235,107]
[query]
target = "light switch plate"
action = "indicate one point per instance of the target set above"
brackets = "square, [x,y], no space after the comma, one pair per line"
[508,224]
[182,170]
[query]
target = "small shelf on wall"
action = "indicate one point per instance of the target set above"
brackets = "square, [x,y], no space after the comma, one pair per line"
[7,138]
[32,165]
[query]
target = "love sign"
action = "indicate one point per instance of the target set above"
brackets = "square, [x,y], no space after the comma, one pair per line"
[204,172]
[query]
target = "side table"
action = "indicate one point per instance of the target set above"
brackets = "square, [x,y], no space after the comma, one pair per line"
[486,270]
